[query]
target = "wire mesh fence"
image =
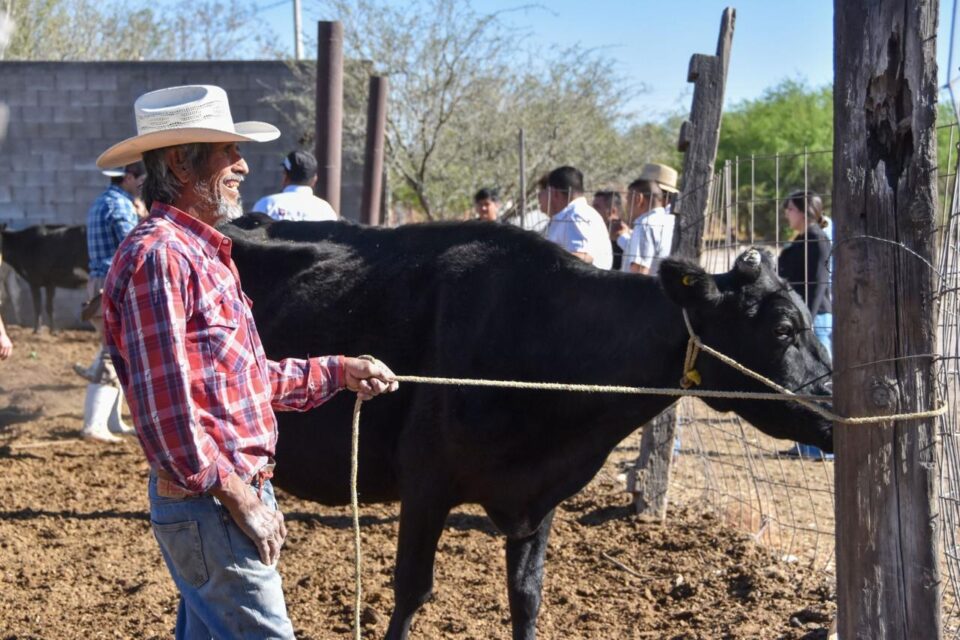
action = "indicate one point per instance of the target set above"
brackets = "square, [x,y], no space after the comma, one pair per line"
[786,502]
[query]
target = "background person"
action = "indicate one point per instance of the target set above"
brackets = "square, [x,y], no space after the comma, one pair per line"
[202,391]
[804,264]
[297,201]
[486,204]
[652,238]
[574,224]
[112,216]
[609,205]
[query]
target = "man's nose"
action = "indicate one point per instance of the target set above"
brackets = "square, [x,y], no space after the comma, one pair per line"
[240,166]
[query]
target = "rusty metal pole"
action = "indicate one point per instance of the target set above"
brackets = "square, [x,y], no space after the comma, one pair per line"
[373,158]
[329,127]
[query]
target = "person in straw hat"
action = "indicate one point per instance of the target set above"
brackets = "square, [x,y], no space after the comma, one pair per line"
[652,235]
[201,391]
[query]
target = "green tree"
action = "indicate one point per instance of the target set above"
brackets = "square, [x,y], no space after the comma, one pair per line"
[782,141]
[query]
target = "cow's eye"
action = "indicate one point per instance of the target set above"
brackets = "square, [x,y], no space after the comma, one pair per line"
[784,331]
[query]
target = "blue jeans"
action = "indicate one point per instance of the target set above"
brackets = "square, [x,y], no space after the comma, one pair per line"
[823,329]
[225,591]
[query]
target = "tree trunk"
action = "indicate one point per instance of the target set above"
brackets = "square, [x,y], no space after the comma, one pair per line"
[884,204]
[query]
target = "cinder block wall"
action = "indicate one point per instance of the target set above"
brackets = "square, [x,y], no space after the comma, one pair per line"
[64,114]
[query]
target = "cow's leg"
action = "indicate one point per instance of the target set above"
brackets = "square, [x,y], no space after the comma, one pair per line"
[50,292]
[525,579]
[421,523]
[37,307]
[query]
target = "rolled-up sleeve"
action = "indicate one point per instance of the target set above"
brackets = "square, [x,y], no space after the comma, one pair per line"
[158,302]
[302,384]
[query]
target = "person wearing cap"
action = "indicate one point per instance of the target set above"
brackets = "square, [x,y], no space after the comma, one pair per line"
[486,204]
[296,201]
[112,216]
[201,390]
[652,236]
[574,224]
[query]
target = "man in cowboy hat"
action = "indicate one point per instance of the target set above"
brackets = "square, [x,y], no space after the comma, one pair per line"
[652,236]
[112,216]
[201,391]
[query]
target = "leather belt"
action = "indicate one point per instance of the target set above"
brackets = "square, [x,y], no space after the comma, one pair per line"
[168,487]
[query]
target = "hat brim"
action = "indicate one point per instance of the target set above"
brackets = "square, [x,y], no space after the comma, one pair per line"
[668,188]
[113,173]
[131,149]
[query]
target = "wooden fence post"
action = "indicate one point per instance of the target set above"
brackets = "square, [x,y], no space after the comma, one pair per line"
[699,137]
[884,207]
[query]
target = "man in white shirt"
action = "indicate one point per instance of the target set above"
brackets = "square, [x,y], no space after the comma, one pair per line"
[296,201]
[574,224]
[652,237]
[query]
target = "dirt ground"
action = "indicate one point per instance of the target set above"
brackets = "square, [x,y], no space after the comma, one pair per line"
[78,559]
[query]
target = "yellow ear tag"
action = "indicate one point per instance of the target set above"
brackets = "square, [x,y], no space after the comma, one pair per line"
[690,378]
[687,281]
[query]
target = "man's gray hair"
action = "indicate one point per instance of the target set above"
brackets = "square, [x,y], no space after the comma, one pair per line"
[161,184]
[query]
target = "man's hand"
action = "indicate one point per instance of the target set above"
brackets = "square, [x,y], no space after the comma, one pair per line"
[6,347]
[261,524]
[368,378]
[618,228]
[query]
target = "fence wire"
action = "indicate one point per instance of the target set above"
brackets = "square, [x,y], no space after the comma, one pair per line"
[787,503]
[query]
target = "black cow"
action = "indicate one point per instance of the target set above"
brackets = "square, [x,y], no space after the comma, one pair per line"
[48,256]
[490,301]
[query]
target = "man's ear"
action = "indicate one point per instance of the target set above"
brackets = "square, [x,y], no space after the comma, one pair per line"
[177,164]
[688,285]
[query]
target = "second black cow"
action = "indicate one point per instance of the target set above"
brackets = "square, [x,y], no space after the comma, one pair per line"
[47,257]
[488,301]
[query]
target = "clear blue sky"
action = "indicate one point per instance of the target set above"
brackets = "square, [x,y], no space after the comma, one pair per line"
[652,41]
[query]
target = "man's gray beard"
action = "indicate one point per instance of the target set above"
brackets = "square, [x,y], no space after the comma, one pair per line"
[227,212]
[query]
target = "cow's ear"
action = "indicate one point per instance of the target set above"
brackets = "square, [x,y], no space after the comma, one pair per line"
[688,284]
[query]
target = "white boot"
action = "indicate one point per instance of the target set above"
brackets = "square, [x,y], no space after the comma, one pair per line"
[115,422]
[90,373]
[99,403]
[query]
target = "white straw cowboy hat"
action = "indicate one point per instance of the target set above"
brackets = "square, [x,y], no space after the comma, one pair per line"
[182,115]
[664,176]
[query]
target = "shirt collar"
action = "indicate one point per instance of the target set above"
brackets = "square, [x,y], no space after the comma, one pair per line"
[118,189]
[299,188]
[654,211]
[212,242]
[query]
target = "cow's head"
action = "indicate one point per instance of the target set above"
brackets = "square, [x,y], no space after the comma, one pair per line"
[753,316]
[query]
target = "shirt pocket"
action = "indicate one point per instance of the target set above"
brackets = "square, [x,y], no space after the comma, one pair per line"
[225,336]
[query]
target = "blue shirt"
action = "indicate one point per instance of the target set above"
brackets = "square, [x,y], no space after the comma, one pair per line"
[109,220]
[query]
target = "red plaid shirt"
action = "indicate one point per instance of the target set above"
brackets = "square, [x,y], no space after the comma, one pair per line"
[182,337]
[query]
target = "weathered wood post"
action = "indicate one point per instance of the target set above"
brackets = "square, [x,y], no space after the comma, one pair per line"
[329,125]
[370,208]
[884,206]
[699,137]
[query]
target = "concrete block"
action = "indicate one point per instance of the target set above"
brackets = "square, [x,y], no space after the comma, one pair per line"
[24,98]
[55,131]
[83,197]
[68,113]
[83,97]
[72,77]
[102,79]
[54,161]
[6,194]
[86,130]
[38,114]
[10,211]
